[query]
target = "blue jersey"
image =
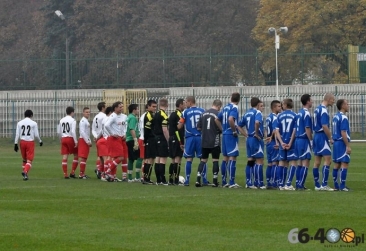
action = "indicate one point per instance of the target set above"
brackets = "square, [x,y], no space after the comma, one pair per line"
[270,125]
[230,110]
[321,117]
[303,121]
[340,123]
[190,118]
[249,119]
[285,124]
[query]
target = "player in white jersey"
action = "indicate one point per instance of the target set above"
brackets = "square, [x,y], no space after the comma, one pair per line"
[116,126]
[85,142]
[69,143]
[102,144]
[141,141]
[27,131]
[98,134]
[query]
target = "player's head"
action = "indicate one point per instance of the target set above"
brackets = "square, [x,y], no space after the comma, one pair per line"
[117,107]
[254,102]
[287,104]
[70,110]
[235,98]
[217,104]
[28,114]
[151,105]
[180,104]
[108,110]
[276,106]
[86,112]
[328,99]
[101,106]
[260,106]
[342,105]
[163,103]
[190,101]
[306,101]
[133,108]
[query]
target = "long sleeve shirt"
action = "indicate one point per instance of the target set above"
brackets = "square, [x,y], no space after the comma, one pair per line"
[97,129]
[67,128]
[27,130]
[84,130]
[116,125]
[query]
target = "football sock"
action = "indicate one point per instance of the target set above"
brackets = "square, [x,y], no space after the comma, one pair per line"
[130,169]
[274,175]
[305,175]
[280,173]
[157,172]
[223,171]
[204,173]
[162,172]
[232,169]
[27,167]
[343,177]
[25,162]
[248,177]
[285,169]
[82,167]
[316,176]
[114,163]
[147,168]
[291,175]
[215,171]
[124,168]
[268,174]
[298,173]
[335,178]
[201,166]
[138,168]
[64,167]
[98,165]
[325,174]
[188,170]
[75,163]
[171,172]
[176,168]
[256,174]
[260,172]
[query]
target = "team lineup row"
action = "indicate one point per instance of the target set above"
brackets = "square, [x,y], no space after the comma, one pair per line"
[191,132]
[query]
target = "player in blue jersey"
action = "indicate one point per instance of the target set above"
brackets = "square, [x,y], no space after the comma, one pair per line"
[252,121]
[192,146]
[230,149]
[285,132]
[272,145]
[341,149]
[321,142]
[304,141]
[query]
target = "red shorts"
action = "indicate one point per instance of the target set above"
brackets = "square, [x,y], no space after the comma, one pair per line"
[125,149]
[142,148]
[115,146]
[27,150]
[83,149]
[68,146]
[102,147]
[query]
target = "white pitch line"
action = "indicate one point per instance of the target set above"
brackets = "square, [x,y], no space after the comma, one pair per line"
[29,187]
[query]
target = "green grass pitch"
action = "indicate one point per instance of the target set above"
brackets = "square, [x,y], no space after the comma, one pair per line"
[48,212]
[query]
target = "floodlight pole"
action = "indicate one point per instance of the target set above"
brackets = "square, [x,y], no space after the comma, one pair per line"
[67,59]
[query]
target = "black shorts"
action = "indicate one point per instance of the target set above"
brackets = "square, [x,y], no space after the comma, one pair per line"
[215,152]
[132,154]
[150,148]
[162,146]
[174,148]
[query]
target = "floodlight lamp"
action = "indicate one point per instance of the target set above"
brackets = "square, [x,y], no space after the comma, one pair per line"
[272,31]
[59,14]
[284,30]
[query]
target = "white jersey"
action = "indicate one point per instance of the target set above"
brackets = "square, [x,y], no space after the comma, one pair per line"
[116,125]
[97,129]
[104,131]
[141,126]
[27,130]
[84,130]
[67,128]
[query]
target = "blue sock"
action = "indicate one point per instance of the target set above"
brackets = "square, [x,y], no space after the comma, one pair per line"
[274,175]
[269,175]
[291,175]
[316,177]
[343,177]
[301,177]
[305,175]
[252,174]
[223,172]
[335,178]
[325,172]
[232,168]
[204,174]
[284,175]
[280,175]
[247,176]
[188,171]
[298,171]
[256,175]
[260,172]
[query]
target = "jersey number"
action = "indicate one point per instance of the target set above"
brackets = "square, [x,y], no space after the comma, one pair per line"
[194,119]
[209,123]
[28,128]
[96,122]
[284,127]
[65,127]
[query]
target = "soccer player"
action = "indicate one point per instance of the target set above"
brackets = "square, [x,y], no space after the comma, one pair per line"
[285,132]
[272,145]
[103,146]
[69,144]
[141,142]
[26,131]
[322,138]
[132,135]
[304,141]
[342,149]
[210,128]
[84,143]
[253,122]
[162,137]
[230,149]
[192,147]
[149,141]
[176,142]
[97,132]
[116,126]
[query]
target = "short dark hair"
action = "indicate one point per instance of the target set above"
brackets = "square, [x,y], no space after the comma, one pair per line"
[289,103]
[151,102]
[116,104]
[340,103]
[108,110]
[132,107]
[100,106]
[274,103]
[28,114]
[217,103]
[179,102]
[86,108]
[70,110]
[235,97]
[305,98]
[254,102]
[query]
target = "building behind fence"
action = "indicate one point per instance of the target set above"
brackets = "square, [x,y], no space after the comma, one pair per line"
[49,106]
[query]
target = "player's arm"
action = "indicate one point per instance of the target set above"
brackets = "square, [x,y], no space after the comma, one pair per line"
[108,126]
[94,129]
[292,139]
[73,132]
[325,123]
[344,125]
[164,125]
[83,127]
[232,125]
[256,129]
[218,124]
[279,138]
[199,123]
[17,134]
[180,123]
[36,134]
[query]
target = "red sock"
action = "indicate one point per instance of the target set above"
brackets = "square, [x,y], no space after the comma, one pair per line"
[124,168]
[75,163]
[82,167]
[114,164]
[27,167]
[98,165]
[64,167]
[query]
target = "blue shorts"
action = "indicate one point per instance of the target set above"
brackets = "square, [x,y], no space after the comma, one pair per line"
[288,155]
[303,149]
[192,147]
[272,153]
[321,145]
[340,153]
[255,148]
[230,146]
